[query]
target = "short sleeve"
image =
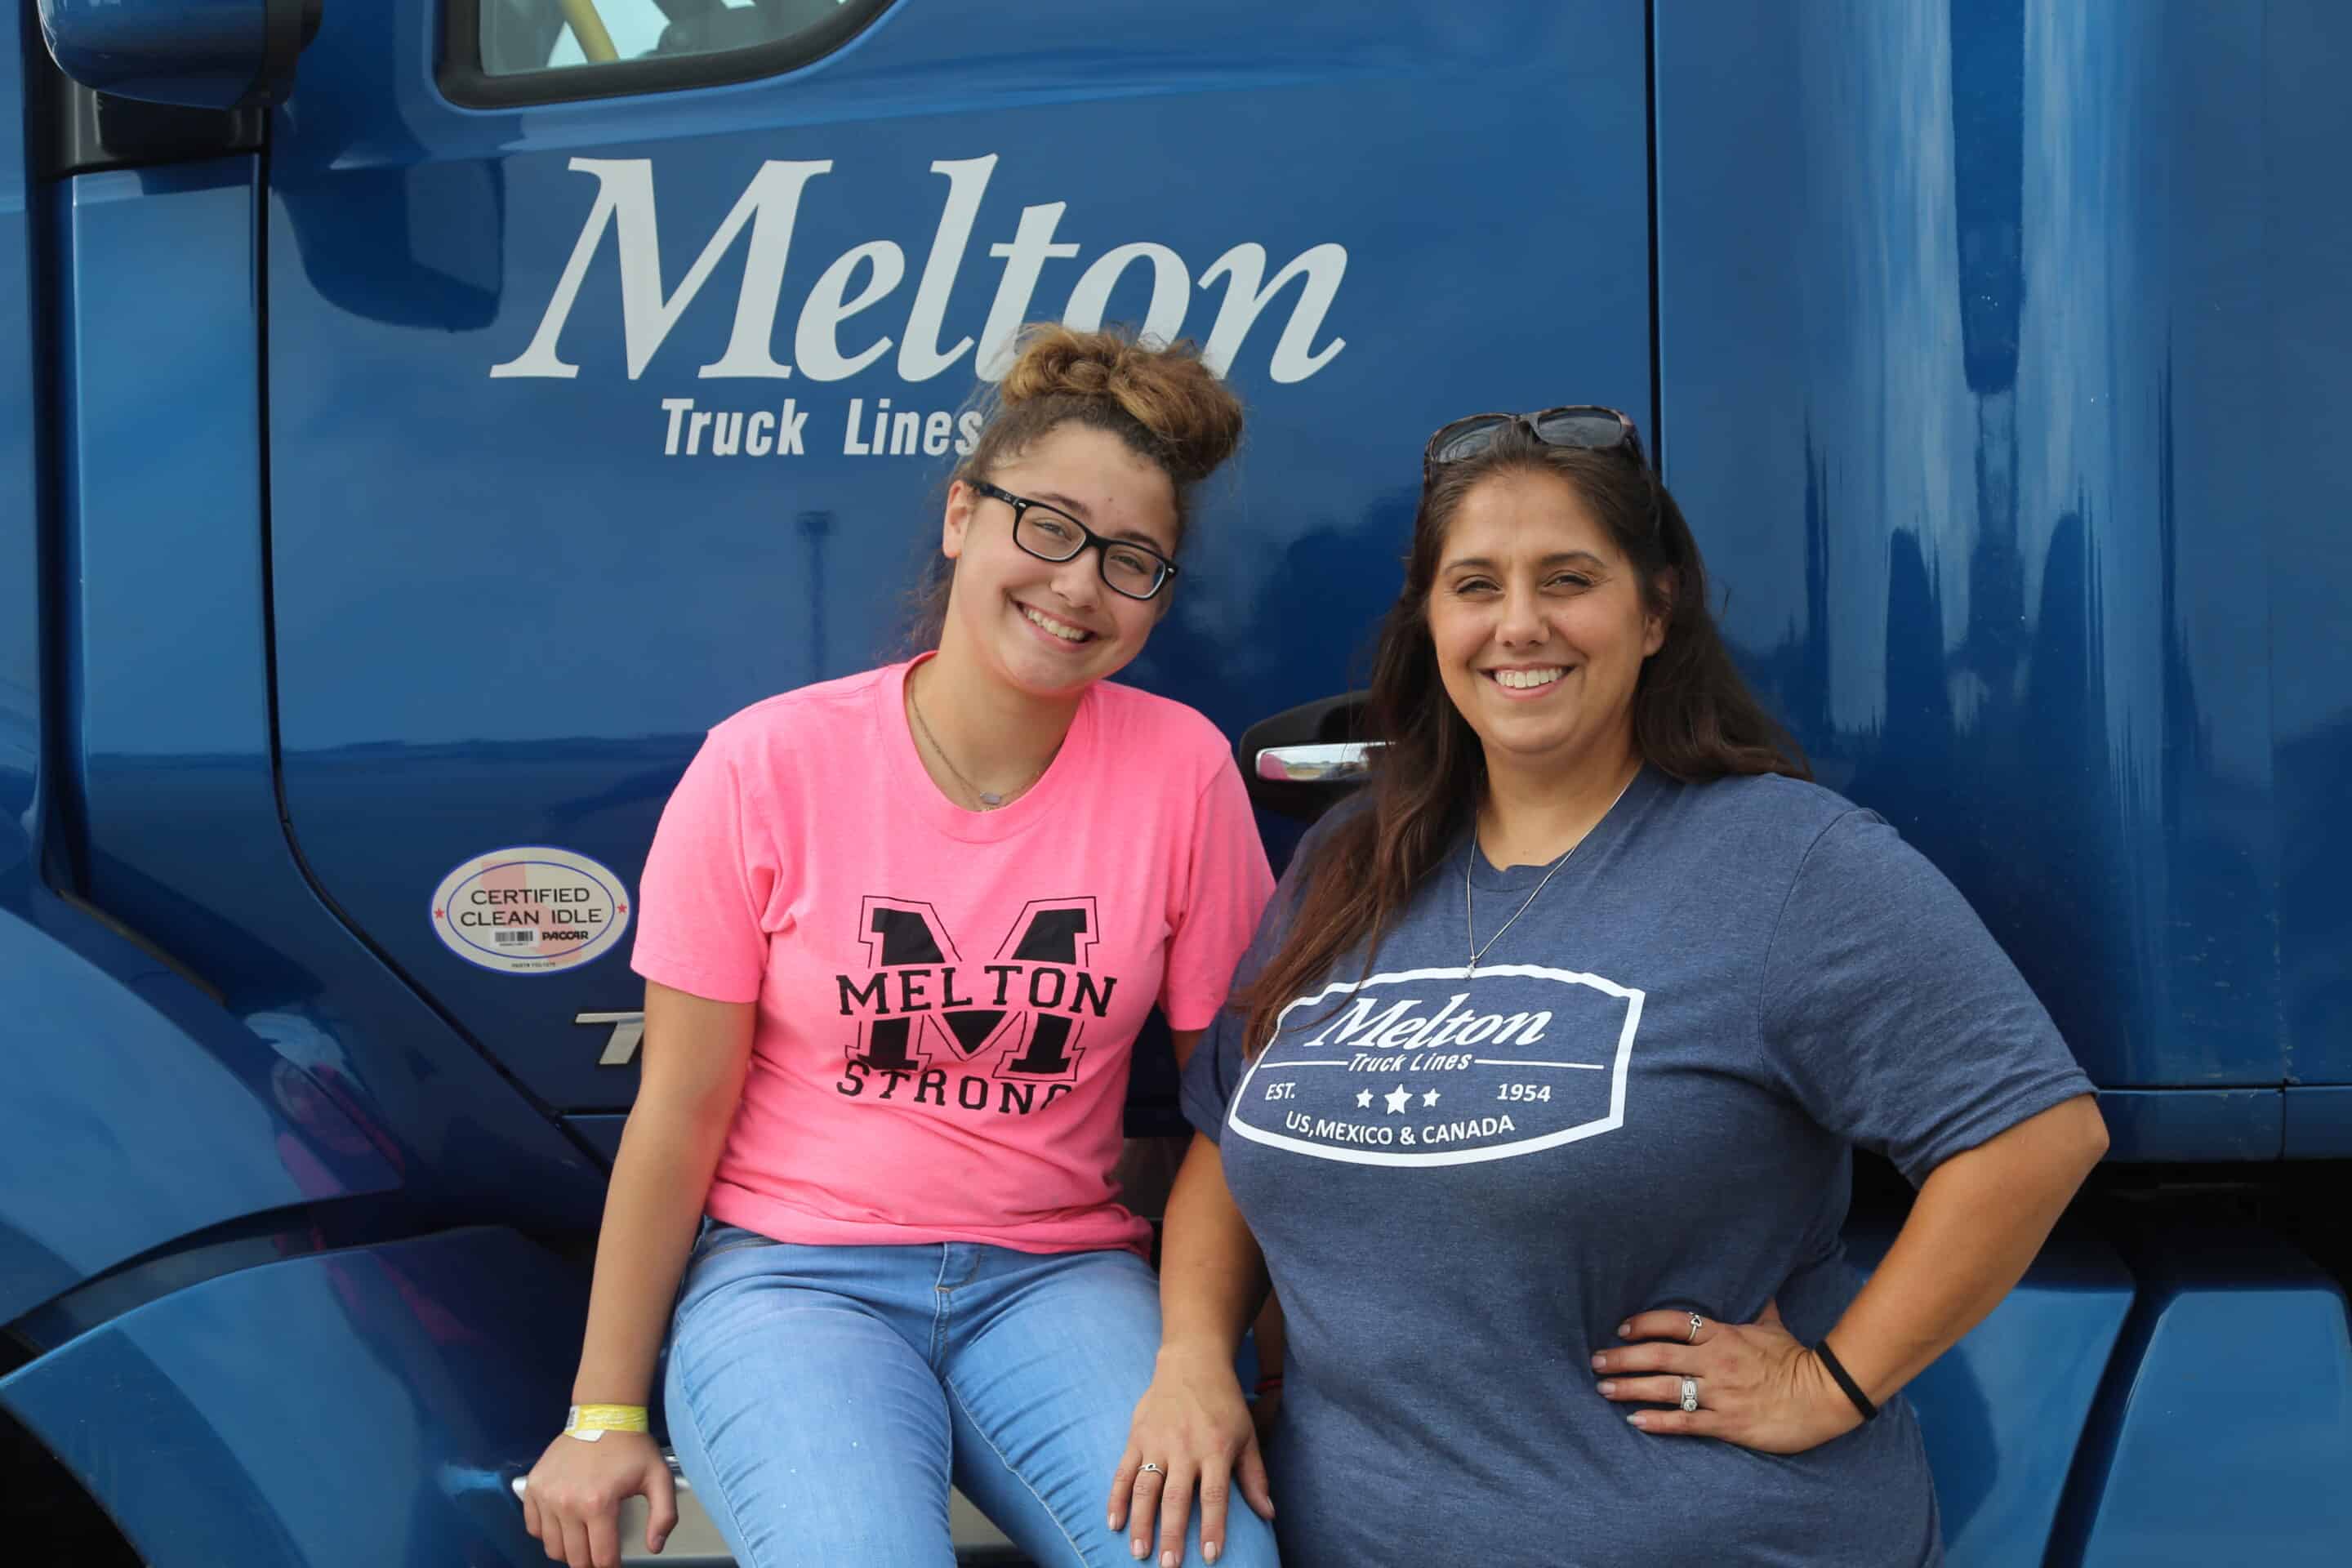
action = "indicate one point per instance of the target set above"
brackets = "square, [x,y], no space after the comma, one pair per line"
[1890,1013]
[1222,890]
[706,883]
[1218,1063]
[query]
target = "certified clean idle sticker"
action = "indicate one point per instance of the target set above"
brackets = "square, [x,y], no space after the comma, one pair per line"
[531,909]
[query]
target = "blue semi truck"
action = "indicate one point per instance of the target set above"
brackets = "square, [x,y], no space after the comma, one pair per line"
[424,418]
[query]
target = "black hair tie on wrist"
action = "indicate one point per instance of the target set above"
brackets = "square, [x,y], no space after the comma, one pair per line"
[1845,1381]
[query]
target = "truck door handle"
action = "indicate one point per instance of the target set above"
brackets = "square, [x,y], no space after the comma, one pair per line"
[1339,762]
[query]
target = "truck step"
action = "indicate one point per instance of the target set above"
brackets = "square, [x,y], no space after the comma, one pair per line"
[697,1543]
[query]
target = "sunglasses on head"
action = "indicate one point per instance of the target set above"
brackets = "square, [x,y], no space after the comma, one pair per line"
[1585,424]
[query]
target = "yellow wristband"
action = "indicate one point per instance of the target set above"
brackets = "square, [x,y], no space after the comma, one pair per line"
[590,1421]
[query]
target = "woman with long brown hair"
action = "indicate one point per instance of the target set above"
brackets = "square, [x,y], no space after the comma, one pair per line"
[1538,1101]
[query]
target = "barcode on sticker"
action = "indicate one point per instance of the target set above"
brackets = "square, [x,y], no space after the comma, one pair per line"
[506,938]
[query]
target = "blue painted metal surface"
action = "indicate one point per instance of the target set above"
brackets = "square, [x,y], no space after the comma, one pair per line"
[506,616]
[2001,354]
[20,576]
[2002,1410]
[138,1113]
[600,1132]
[2306,472]
[202,53]
[1972,424]
[2318,1124]
[366,1406]
[161,521]
[2167,1124]
[2204,1455]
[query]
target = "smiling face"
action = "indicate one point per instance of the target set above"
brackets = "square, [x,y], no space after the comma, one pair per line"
[1540,625]
[1050,628]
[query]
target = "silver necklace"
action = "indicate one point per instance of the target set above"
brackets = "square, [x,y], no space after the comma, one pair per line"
[989,799]
[1469,932]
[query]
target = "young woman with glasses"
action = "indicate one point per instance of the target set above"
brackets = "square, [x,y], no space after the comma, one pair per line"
[898,933]
[1538,1099]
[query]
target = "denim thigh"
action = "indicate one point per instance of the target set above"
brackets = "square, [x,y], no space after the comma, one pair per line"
[813,1432]
[820,1398]
[1045,1358]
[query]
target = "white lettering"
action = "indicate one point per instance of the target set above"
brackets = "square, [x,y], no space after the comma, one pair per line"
[1033,246]
[1454,1131]
[769,208]
[1354,1022]
[920,356]
[1401,1031]
[1172,290]
[758,439]
[624,201]
[1523,1030]
[1352,1132]
[1409,1034]
[1295,359]
[817,344]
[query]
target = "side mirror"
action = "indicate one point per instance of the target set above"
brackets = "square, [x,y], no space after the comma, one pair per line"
[200,53]
[1302,763]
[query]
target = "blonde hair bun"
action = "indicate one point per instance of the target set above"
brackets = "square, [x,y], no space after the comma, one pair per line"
[1192,418]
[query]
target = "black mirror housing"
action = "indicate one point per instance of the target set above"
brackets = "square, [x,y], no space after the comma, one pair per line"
[224,54]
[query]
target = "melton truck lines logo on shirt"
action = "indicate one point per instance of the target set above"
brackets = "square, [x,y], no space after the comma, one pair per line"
[1440,1066]
[864,275]
[922,1008]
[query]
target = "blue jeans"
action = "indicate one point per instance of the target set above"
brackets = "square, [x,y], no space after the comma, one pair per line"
[820,1398]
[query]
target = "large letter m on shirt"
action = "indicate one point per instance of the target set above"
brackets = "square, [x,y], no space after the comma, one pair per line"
[1030,1004]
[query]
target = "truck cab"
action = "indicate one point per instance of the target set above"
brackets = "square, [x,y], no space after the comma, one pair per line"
[427,418]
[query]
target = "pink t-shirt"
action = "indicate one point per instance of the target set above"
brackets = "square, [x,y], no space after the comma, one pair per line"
[946,997]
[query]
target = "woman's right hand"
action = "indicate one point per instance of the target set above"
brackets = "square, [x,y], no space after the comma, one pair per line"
[1193,1424]
[572,1501]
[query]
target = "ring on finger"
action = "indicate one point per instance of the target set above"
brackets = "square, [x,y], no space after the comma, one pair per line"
[1698,1323]
[1690,1394]
[1147,1469]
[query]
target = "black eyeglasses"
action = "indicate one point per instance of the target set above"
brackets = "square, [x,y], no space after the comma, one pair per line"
[1135,570]
[1585,424]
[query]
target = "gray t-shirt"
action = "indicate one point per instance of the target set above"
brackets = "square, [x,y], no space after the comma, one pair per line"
[1644,1098]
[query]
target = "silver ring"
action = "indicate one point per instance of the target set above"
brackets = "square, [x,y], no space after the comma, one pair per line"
[1149,1469]
[1690,1394]
[1698,1323]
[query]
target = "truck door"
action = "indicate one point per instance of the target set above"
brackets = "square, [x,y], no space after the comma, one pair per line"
[618,353]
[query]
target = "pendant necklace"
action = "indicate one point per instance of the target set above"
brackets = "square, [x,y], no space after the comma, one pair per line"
[1469,932]
[989,799]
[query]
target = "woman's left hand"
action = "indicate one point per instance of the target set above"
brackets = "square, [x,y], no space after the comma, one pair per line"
[1756,1386]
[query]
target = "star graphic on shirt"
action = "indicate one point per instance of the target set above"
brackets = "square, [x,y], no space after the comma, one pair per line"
[1430,1098]
[1396,1099]
[1364,1099]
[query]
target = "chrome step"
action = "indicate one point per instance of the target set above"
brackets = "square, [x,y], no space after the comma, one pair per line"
[697,1543]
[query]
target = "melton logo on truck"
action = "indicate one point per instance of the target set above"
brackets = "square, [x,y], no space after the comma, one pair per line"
[829,344]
